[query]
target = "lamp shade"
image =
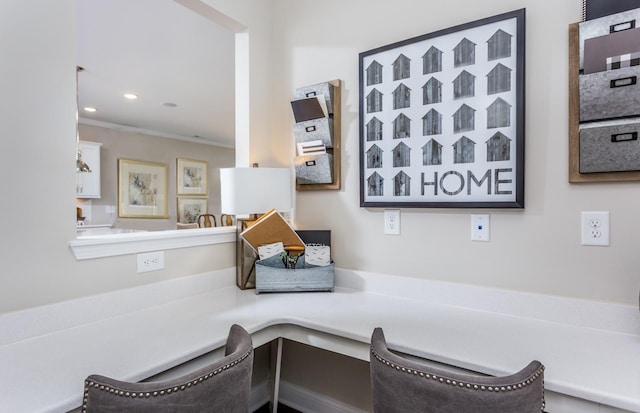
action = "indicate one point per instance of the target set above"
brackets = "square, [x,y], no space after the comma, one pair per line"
[246,191]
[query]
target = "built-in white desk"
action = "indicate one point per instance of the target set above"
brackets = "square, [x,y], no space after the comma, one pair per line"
[591,351]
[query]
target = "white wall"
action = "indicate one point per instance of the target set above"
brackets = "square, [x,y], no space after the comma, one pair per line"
[256,17]
[537,249]
[37,49]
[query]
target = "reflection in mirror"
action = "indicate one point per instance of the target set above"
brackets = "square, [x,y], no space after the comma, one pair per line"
[176,69]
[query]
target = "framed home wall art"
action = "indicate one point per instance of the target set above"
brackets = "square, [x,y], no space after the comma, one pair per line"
[442,118]
[142,189]
[191,177]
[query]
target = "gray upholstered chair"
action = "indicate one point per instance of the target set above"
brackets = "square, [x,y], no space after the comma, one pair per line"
[403,386]
[222,386]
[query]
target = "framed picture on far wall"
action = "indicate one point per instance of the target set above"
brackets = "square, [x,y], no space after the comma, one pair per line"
[142,189]
[189,209]
[191,177]
[442,118]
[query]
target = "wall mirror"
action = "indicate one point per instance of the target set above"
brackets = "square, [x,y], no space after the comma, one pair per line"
[180,66]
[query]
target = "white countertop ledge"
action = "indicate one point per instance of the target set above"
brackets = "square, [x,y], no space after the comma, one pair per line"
[108,245]
[590,350]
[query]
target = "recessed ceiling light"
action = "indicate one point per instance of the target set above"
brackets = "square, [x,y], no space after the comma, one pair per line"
[131,96]
[170,104]
[90,109]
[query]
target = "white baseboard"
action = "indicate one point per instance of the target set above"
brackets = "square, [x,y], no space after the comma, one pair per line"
[259,396]
[308,401]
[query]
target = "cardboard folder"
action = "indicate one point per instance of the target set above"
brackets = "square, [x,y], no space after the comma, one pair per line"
[598,49]
[599,8]
[271,228]
[309,109]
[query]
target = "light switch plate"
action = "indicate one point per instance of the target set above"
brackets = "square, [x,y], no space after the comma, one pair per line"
[480,227]
[392,221]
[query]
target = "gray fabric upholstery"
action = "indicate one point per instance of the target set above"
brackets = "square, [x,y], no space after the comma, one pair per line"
[404,386]
[222,386]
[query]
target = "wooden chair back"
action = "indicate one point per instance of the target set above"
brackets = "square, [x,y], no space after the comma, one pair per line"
[226,220]
[207,221]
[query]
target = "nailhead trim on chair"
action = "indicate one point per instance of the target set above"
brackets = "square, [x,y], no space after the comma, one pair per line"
[164,392]
[472,386]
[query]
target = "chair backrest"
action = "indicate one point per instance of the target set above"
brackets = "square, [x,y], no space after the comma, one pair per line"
[207,221]
[400,385]
[186,226]
[222,386]
[226,220]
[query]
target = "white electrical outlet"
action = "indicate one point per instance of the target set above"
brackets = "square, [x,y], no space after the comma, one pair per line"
[392,221]
[151,261]
[595,228]
[480,227]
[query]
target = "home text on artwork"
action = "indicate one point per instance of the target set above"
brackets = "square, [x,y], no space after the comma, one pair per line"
[451,183]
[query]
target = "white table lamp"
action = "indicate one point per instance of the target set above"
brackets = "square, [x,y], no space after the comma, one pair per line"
[250,191]
[246,191]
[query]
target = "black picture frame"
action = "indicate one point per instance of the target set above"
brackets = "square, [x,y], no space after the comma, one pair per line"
[442,118]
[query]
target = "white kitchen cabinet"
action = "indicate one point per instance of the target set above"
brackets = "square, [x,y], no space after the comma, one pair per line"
[88,183]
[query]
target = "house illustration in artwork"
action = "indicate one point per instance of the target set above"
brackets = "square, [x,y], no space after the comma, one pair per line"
[432,91]
[432,61]
[374,157]
[464,150]
[401,155]
[432,123]
[374,185]
[401,68]
[401,184]
[401,127]
[498,148]
[499,79]
[499,45]
[464,119]
[432,153]
[464,54]
[464,85]
[374,101]
[374,130]
[401,97]
[499,114]
[374,73]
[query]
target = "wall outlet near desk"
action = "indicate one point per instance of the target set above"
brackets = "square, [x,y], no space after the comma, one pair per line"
[151,261]
[595,228]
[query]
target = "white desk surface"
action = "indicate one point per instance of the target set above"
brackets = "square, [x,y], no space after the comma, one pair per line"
[46,372]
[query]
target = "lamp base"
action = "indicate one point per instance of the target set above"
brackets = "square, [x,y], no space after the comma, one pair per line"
[246,258]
